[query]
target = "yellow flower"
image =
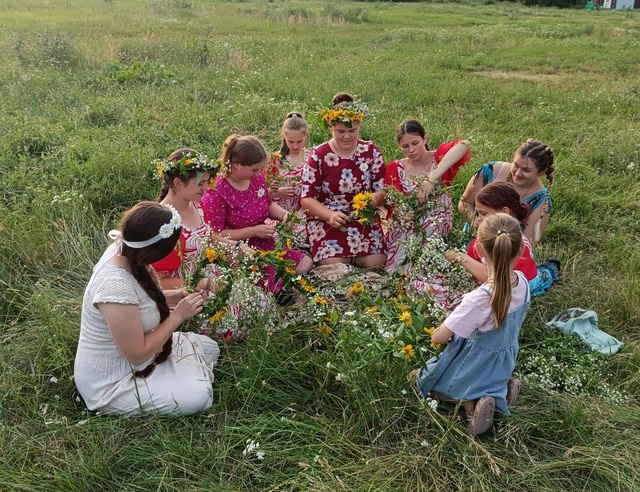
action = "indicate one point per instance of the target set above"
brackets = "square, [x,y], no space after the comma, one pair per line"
[290,270]
[212,254]
[405,317]
[216,317]
[429,331]
[372,310]
[289,244]
[356,288]
[262,253]
[302,282]
[363,220]
[280,255]
[320,300]
[277,155]
[435,345]
[360,201]
[188,162]
[254,268]
[325,330]
[408,351]
[159,167]
[310,289]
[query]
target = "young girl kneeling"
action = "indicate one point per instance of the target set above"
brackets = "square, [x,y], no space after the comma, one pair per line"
[482,332]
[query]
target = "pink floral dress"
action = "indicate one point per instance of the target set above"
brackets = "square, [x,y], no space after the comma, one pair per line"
[334,181]
[229,208]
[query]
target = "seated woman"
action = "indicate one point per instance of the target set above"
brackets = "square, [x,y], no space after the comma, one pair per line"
[185,176]
[238,203]
[501,197]
[421,166]
[336,172]
[130,359]
[532,160]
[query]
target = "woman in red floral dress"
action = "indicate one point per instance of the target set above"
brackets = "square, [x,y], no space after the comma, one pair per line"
[335,173]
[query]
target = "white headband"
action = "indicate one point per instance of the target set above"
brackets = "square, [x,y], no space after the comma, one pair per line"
[166,231]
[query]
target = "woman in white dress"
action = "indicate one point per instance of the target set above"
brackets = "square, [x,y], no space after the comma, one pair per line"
[130,359]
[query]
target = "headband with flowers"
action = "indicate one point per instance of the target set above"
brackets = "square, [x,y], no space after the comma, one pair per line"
[193,161]
[355,111]
[165,232]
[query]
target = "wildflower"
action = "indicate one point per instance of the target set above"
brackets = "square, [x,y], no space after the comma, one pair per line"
[356,288]
[53,379]
[290,270]
[429,331]
[404,392]
[310,289]
[408,351]
[260,455]
[254,268]
[339,377]
[424,443]
[435,345]
[216,317]
[371,310]
[280,255]
[212,254]
[261,192]
[405,317]
[324,330]
[320,300]
[277,155]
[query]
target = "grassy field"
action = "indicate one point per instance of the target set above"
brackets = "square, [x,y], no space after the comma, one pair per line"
[93,91]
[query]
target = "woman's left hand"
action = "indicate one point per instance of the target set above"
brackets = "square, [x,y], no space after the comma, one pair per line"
[424,191]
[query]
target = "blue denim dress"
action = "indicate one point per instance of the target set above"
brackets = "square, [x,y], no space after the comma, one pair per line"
[481,365]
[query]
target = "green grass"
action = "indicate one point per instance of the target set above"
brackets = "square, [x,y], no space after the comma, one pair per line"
[328,413]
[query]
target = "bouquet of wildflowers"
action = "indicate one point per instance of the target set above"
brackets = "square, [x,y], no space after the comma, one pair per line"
[290,234]
[362,209]
[408,213]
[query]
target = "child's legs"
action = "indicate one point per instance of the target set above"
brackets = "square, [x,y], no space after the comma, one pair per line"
[370,261]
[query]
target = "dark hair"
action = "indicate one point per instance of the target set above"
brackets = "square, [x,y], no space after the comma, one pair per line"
[411,127]
[501,238]
[246,151]
[540,154]
[167,178]
[501,194]
[342,99]
[294,122]
[141,222]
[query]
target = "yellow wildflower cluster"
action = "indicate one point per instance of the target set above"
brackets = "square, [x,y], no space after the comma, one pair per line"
[320,300]
[361,201]
[216,317]
[324,330]
[342,115]
[356,288]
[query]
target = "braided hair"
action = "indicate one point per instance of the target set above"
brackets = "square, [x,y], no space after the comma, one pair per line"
[138,224]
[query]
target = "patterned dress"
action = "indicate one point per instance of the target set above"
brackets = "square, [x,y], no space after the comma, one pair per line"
[189,246]
[440,217]
[334,181]
[229,208]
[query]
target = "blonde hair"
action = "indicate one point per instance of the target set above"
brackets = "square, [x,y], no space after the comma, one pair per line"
[501,239]
[244,150]
[294,122]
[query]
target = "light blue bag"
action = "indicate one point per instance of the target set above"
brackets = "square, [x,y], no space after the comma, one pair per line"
[585,326]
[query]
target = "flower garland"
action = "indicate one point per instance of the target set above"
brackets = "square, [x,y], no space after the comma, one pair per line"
[355,111]
[193,161]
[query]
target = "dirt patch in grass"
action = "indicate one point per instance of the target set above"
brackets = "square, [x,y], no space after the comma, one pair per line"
[533,77]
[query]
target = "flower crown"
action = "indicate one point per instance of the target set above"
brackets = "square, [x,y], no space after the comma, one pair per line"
[355,111]
[193,161]
[165,231]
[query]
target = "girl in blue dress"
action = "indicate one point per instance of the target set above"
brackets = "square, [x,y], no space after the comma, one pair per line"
[531,161]
[482,332]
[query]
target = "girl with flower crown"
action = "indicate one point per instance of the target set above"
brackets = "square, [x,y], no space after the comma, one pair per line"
[238,202]
[130,359]
[531,161]
[185,178]
[418,173]
[337,172]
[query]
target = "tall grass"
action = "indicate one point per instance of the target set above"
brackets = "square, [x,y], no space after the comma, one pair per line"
[93,91]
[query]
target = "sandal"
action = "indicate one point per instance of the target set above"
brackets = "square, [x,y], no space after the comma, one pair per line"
[482,418]
[513,391]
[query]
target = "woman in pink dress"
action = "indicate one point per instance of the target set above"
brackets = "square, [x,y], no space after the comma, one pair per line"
[238,203]
[421,167]
[335,173]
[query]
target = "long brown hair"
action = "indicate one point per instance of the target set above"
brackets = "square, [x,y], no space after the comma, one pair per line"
[501,239]
[140,223]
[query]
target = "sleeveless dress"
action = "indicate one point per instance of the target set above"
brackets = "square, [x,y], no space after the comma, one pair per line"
[480,365]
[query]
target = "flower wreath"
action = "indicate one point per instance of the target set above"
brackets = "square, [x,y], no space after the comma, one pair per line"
[193,161]
[355,111]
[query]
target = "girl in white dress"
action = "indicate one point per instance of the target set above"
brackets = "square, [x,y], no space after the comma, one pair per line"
[130,359]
